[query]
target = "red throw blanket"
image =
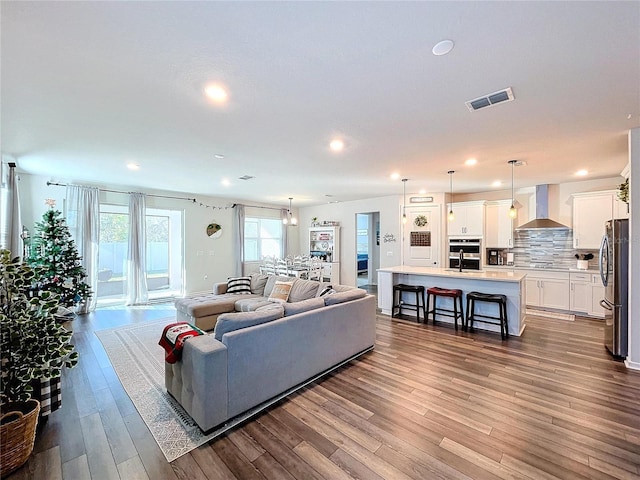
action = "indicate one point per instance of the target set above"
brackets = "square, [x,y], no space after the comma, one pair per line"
[173,337]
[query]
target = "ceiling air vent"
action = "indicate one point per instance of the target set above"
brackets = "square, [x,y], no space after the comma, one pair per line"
[505,95]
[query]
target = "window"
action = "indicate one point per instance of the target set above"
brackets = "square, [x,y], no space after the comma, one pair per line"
[262,237]
[163,253]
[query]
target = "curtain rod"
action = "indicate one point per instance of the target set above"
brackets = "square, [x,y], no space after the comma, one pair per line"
[260,206]
[120,191]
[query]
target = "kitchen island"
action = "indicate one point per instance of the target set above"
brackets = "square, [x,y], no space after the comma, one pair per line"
[507,283]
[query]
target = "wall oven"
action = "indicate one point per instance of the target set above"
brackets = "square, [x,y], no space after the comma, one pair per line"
[471,253]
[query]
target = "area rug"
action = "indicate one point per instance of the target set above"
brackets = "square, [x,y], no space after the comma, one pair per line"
[555,315]
[138,361]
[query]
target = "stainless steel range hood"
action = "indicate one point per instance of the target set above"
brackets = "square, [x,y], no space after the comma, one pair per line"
[542,220]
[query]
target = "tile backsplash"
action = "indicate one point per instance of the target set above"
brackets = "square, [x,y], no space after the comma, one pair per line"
[548,249]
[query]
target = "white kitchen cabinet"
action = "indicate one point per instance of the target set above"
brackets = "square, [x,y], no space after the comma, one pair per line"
[498,232]
[547,289]
[590,212]
[468,220]
[580,292]
[597,294]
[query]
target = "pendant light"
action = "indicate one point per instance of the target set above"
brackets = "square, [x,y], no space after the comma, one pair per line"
[451,216]
[513,213]
[404,199]
[289,219]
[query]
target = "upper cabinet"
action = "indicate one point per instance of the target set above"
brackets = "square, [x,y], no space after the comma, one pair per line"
[468,220]
[498,232]
[590,212]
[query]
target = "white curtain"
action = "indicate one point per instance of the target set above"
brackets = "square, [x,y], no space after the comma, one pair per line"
[239,238]
[137,291]
[83,220]
[11,223]
[284,213]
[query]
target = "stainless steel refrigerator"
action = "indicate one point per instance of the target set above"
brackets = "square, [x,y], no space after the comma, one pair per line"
[614,271]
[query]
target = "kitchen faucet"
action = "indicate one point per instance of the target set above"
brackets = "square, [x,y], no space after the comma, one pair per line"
[461,259]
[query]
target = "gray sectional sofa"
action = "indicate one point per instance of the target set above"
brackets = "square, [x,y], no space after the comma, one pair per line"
[262,350]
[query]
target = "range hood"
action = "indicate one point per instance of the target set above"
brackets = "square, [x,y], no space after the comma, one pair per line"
[542,220]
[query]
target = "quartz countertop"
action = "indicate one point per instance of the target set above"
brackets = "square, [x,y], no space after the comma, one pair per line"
[493,275]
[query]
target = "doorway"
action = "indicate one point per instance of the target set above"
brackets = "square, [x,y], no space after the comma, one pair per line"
[421,236]
[367,248]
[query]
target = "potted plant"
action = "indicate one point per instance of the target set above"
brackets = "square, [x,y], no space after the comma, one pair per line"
[33,346]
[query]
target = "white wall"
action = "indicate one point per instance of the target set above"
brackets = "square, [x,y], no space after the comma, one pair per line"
[345,213]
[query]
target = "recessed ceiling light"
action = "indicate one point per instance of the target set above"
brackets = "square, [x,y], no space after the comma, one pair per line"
[225,182]
[422,191]
[395,176]
[216,93]
[443,47]
[582,173]
[471,161]
[133,166]
[337,145]
[496,184]
[219,155]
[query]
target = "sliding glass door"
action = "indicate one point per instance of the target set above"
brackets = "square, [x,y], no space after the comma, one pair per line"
[163,253]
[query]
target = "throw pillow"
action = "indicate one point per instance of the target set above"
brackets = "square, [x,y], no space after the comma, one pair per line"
[280,292]
[327,290]
[239,285]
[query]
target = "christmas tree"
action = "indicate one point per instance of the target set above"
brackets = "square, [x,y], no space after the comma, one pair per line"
[53,249]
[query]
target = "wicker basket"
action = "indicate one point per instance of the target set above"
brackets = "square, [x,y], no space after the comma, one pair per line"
[17,434]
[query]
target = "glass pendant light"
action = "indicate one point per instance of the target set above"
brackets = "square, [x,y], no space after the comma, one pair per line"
[404,199]
[451,216]
[289,218]
[513,213]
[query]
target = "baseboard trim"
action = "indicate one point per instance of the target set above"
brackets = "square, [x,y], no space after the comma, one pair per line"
[632,365]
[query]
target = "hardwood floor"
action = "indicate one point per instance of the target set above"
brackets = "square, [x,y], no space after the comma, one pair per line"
[428,402]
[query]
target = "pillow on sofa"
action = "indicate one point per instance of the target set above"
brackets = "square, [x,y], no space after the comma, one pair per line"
[271,281]
[326,290]
[303,290]
[346,296]
[280,292]
[302,306]
[239,285]
[258,281]
[229,322]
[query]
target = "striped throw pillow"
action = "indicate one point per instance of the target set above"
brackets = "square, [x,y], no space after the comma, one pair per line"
[239,285]
[328,290]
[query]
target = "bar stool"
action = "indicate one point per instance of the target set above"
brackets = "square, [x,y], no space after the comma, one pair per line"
[400,305]
[501,300]
[452,293]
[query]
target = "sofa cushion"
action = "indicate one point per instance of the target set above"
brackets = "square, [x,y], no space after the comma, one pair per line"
[250,304]
[258,281]
[342,288]
[205,305]
[345,296]
[303,290]
[229,322]
[303,306]
[272,281]
[239,285]
[280,292]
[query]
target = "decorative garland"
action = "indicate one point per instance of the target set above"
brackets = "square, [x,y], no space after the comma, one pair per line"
[623,191]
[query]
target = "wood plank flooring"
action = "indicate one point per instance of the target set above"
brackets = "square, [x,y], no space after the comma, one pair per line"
[428,402]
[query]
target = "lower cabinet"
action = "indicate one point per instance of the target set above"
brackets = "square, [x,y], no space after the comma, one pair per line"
[331,272]
[586,293]
[548,289]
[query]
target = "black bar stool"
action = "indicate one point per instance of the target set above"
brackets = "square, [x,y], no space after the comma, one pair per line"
[455,295]
[400,305]
[501,300]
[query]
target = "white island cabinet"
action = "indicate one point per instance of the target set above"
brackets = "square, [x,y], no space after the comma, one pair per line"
[507,283]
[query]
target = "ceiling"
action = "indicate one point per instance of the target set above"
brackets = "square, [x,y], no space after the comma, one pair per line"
[88,87]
